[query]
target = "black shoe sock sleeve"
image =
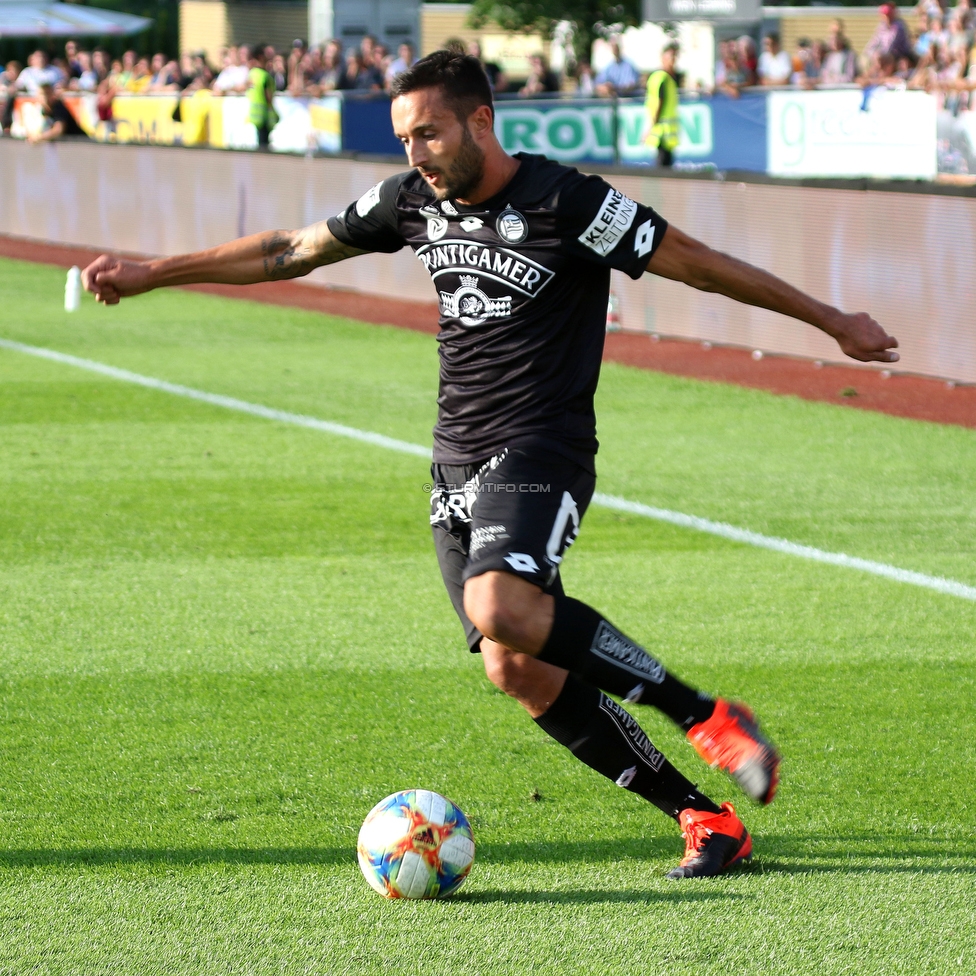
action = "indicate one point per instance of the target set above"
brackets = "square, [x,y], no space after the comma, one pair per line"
[586,643]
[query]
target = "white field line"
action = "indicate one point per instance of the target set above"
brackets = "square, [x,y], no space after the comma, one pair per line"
[937,583]
[219,400]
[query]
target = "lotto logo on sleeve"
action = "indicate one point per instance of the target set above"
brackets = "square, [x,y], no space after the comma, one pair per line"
[612,221]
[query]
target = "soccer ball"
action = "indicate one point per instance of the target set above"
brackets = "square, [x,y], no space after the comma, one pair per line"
[415,844]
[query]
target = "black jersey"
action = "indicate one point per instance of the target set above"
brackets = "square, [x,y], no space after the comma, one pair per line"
[523,280]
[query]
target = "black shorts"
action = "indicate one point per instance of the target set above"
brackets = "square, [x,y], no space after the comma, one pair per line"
[517,512]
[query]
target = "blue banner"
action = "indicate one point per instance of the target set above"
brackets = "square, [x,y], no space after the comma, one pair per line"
[722,132]
[366,125]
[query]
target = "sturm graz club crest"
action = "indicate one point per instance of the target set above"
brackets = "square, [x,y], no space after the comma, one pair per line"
[511,226]
[471,306]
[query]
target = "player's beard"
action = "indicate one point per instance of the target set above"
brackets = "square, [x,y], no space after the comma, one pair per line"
[465,173]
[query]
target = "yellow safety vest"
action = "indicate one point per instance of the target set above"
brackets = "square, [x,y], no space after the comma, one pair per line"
[259,111]
[662,90]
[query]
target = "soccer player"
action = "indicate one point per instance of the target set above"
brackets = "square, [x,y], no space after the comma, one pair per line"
[520,250]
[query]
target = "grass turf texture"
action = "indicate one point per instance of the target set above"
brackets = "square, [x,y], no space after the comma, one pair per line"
[223,639]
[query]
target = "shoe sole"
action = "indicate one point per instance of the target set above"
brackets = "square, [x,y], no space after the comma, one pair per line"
[758,776]
[757,780]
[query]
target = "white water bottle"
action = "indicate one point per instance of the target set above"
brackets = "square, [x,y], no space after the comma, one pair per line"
[613,313]
[72,290]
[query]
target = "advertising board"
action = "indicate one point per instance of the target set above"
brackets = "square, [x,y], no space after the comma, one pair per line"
[729,134]
[144,120]
[877,132]
[304,124]
[366,125]
[27,119]
[957,142]
[839,133]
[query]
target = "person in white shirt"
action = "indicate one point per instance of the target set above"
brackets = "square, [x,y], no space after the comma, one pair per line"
[840,64]
[233,78]
[401,63]
[38,72]
[775,65]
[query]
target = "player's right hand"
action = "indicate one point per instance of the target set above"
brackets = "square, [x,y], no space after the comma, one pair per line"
[110,279]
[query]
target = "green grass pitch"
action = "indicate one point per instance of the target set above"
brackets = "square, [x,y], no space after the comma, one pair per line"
[223,639]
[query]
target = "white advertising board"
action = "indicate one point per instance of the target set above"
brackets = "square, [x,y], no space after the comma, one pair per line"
[304,124]
[852,133]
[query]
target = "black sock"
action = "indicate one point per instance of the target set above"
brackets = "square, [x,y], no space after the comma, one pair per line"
[600,733]
[583,642]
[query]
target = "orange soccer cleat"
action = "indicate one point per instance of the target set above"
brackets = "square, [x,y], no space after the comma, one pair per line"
[731,740]
[714,842]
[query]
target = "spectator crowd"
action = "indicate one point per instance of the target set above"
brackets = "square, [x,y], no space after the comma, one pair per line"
[935,54]
[303,70]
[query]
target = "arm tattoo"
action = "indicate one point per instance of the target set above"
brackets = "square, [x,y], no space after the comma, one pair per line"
[296,254]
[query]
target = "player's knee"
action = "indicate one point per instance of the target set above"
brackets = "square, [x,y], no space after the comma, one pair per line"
[493,619]
[491,609]
[488,610]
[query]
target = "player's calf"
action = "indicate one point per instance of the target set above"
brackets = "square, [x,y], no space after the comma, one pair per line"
[607,738]
[571,635]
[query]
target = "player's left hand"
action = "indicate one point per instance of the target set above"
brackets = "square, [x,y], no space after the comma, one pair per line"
[861,338]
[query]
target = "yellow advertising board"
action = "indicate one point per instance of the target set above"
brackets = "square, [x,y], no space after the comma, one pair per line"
[193,120]
[326,118]
[150,119]
[196,115]
[141,119]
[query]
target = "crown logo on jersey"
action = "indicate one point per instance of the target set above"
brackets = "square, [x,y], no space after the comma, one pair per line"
[471,306]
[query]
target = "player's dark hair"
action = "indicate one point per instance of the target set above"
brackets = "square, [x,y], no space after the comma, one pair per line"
[460,76]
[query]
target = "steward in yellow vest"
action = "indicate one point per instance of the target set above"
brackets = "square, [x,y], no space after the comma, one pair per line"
[662,107]
[260,95]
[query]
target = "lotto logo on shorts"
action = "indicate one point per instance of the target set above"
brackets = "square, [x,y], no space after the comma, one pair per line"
[522,562]
[613,646]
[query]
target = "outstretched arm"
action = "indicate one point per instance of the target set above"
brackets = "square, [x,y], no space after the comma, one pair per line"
[682,258]
[259,257]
